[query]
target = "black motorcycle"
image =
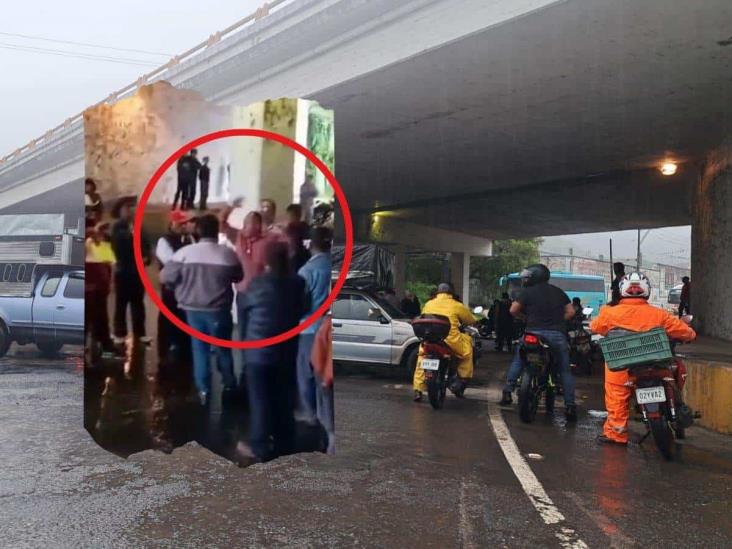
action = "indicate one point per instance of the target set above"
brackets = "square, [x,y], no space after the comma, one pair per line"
[538,377]
[580,349]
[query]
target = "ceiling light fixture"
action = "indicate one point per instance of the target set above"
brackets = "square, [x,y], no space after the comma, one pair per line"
[668,168]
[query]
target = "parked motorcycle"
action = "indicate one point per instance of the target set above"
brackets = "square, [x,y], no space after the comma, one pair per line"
[657,387]
[438,362]
[538,377]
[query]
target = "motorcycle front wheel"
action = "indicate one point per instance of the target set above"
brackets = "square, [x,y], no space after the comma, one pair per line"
[437,387]
[662,436]
[528,397]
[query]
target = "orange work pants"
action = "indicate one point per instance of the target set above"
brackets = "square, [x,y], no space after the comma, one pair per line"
[617,404]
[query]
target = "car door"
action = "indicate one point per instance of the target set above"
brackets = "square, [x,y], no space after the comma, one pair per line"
[357,335]
[44,302]
[68,310]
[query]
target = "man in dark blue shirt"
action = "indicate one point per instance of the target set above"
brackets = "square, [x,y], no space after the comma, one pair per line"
[546,309]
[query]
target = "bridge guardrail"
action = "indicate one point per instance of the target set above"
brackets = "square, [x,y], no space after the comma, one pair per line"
[215,38]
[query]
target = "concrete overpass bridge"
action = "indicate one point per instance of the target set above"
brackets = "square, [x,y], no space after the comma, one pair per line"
[462,121]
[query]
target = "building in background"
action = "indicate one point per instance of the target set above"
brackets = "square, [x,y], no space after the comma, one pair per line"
[663,277]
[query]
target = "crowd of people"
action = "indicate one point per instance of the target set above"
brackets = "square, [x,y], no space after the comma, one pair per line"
[217,272]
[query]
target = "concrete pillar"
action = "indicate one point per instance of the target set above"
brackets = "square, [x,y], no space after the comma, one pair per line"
[460,275]
[400,270]
[711,248]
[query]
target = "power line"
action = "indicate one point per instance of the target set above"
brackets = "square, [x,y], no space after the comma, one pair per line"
[84,44]
[87,56]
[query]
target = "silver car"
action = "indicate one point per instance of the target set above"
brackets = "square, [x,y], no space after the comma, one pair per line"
[367,329]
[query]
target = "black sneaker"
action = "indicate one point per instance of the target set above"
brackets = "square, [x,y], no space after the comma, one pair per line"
[507,399]
[228,397]
[417,396]
[602,439]
[203,398]
[570,413]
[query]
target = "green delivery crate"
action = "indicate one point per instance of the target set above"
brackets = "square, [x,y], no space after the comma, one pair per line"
[625,351]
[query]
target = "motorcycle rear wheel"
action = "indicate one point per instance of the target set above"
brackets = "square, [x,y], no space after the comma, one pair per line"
[663,437]
[528,397]
[436,388]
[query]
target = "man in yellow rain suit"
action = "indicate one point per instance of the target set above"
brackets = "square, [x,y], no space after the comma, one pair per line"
[461,344]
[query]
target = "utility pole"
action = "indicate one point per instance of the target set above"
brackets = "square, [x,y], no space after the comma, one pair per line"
[638,257]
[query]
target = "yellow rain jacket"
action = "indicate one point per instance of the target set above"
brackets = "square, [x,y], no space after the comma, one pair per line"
[460,343]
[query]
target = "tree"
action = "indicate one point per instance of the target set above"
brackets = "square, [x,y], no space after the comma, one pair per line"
[509,256]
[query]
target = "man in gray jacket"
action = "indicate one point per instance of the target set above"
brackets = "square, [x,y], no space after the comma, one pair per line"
[202,275]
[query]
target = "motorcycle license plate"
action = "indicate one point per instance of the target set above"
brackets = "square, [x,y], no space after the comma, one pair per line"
[649,395]
[430,364]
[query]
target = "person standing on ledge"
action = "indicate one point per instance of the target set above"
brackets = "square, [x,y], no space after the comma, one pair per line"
[204,176]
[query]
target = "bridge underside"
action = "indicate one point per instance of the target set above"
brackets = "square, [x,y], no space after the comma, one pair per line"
[552,123]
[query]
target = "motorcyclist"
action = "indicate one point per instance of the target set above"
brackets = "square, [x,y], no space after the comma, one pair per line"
[575,323]
[546,308]
[461,344]
[632,313]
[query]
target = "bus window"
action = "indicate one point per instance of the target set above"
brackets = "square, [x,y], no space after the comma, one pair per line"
[579,284]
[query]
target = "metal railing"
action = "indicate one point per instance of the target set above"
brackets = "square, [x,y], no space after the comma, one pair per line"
[215,38]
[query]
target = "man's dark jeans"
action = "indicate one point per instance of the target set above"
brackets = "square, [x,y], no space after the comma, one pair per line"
[305,377]
[128,291]
[559,346]
[272,396]
[217,324]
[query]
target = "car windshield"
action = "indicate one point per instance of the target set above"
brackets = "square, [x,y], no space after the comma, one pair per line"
[392,311]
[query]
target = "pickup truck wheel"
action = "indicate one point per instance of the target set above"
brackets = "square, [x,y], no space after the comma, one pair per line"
[49,349]
[410,362]
[5,340]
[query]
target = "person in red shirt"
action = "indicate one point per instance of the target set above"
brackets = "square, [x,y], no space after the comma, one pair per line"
[635,314]
[250,244]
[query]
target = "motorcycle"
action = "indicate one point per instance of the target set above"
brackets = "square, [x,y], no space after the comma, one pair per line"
[484,324]
[657,388]
[539,376]
[580,344]
[438,362]
[474,333]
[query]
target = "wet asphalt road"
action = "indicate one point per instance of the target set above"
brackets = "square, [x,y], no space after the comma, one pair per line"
[404,476]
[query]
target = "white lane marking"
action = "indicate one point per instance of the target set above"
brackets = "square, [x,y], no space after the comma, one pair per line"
[617,538]
[465,525]
[549,512]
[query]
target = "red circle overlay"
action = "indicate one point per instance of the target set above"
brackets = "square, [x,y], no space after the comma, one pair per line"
[340,197]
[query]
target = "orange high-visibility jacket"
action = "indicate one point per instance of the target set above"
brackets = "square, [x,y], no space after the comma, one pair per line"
[637,315]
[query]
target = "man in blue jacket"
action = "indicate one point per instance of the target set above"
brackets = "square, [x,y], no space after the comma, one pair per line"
[317,275]
[273,303]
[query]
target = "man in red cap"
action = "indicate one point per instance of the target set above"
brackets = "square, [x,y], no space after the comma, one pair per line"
[173,343]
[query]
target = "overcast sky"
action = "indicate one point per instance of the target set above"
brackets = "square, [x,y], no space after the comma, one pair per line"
[670,245]
[39,91]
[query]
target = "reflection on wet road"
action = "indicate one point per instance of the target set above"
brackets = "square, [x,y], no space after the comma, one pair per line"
[134,403]
[404,476]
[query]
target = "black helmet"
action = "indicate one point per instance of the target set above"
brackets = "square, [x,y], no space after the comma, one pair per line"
[535,274]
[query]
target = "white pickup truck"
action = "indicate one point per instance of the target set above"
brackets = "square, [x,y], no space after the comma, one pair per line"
[50,317]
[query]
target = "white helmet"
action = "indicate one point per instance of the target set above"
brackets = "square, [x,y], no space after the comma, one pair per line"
[635,285]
